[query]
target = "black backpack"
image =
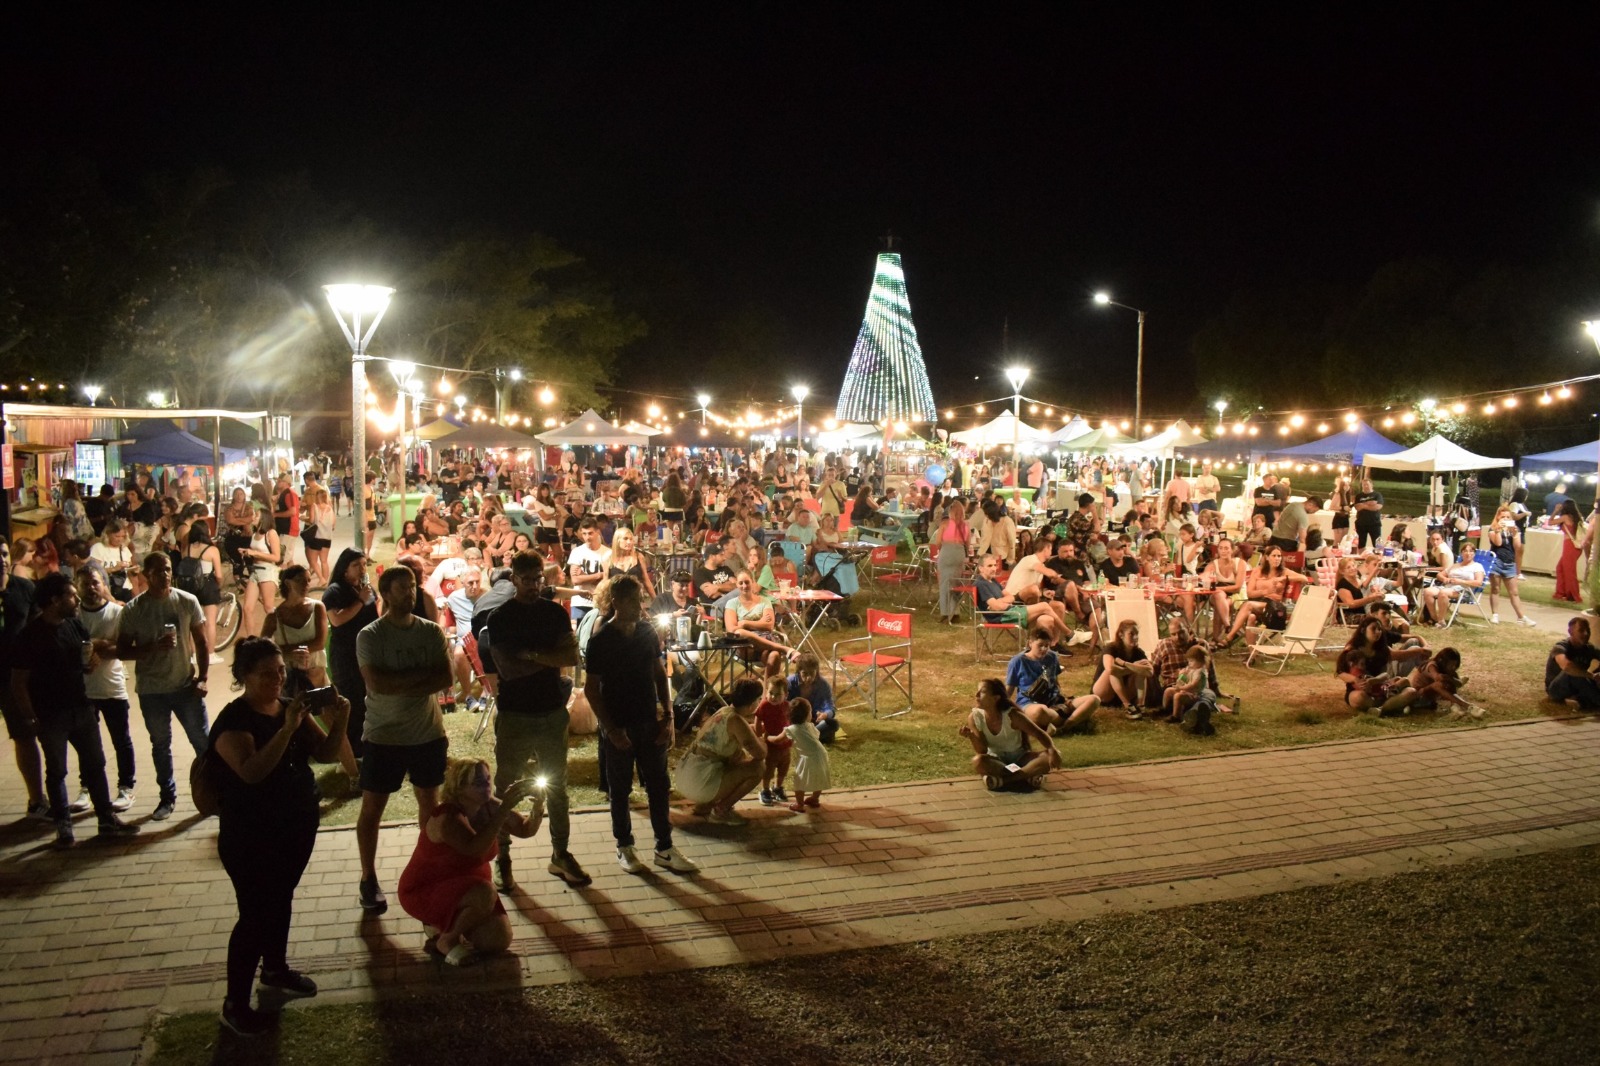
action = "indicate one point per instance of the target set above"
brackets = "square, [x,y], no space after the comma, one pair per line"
[189,576]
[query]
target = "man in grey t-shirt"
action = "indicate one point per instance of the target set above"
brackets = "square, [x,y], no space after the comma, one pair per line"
[405,664]
[163,629]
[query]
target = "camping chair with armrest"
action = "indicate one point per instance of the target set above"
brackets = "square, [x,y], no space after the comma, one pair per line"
[886,657]
[1471,597]
[986,626]
[1300,637]
[1135,605]
[889,573]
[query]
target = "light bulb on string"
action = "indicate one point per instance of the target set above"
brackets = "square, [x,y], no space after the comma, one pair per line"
[1563,392]
[1459,408]
[1509,401]
[1489,408]
[1545,400]
[1388,423]
[1349,418]
[1322,427]
[1297,420]
[1407,418]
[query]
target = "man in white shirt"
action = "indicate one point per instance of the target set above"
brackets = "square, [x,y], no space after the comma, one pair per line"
[107,687]
[586,566]
[1207,489]
[1033,573]
[801,528]
[164,630]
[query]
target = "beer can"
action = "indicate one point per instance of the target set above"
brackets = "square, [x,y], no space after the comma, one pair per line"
[87,650]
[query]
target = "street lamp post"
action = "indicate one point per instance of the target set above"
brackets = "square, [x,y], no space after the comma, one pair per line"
[1016,375]
[359,309]
[704,399]
[1104,299]
[405,377]
[800,392]
[93,392]
[501,389]
[1592,328]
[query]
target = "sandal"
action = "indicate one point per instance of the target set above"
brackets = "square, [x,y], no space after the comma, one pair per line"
[462,955]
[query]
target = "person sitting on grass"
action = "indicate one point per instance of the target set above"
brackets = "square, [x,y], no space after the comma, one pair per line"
[1437,681]
[447,885]
[1033,684]
[1570,669]
[807,683]
[1363,666]
[1190,682]
[1123,671]
[1000,736]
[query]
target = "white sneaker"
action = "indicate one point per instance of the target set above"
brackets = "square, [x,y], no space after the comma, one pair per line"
[82,803]
[628,859]
[1476,712]
[1526,621]
[1494,619]
[675,860]
[1081,636]
[123,801]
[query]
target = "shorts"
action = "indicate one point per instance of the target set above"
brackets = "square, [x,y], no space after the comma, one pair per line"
[18,727]
[1502,569]
[385,767]
[317,544]
[210,593]
[1016,614]
[372,525]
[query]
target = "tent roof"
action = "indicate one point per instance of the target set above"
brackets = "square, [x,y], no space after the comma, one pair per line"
[486,435]
[1433,455]
[176,448]
[1350,445]
[639,429]
[439,427]
[589,428]
[1578,458]
[1000,430]
[1178,435]
[1099,440]
[1075,428]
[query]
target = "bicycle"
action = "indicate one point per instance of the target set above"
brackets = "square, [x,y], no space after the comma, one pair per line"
[230,616]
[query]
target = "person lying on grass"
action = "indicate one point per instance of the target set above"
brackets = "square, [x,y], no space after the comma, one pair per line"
[1000,736]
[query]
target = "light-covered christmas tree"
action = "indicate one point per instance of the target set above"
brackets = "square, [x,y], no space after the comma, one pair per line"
[886,378]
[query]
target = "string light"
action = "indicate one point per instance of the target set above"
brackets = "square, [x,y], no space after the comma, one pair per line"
[1297,420]
[1489,408]
[1350,418]
[1407,418]
[1509,401]
[1322,427]
[1545,399]
[1563,392]
[1459,408]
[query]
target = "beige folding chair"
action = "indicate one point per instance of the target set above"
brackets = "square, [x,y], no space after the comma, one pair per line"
[1305,628]
[1131,605]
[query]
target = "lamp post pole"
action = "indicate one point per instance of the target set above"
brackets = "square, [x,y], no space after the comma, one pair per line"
[705,401]
[359,309]
[800,393]
[1105,300]
[404,376]
[1017,376]
[1592,328]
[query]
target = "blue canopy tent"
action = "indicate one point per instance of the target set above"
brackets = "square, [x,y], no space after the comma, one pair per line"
[1580,458]
[1350,445]
[176,448]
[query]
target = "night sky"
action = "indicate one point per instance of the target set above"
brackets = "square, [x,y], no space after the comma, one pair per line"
[758,155]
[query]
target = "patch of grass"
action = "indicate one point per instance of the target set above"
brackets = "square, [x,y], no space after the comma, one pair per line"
[1302,705]
[1501,969]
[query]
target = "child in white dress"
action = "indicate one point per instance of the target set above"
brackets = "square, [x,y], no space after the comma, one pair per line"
[810,757]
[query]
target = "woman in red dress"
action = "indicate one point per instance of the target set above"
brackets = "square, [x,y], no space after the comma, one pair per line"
[447,885]
[1571,526]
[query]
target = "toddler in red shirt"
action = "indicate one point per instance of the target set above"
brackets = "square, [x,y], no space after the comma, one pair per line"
[772,718]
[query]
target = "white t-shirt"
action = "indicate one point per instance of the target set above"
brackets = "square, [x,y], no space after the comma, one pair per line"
[587,560]
[1028,571]
[108,681]
[109,557]
[386,647]
[144,619]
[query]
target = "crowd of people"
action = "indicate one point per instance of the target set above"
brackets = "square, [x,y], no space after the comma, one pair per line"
[507,587]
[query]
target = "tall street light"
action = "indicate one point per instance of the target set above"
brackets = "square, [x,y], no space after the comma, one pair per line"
[704,399]
[1016,375]
[800,392]
[405,376]
[1592,328]
[93,392]
[1104,299]
[359,309]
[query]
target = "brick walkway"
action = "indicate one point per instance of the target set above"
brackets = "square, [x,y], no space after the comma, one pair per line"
[101,936]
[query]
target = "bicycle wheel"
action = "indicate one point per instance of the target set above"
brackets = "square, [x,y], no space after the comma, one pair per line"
[228,618]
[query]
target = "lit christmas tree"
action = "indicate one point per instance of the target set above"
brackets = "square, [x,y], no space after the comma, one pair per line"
[886,377]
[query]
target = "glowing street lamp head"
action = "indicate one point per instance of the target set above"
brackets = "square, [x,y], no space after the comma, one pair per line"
[461,401]
[516,373]
[704,399]
[361,300]
[1102,298]
[1221,406]
[402,369]
[1017,375]
[1592,328]
[93,392]
[800,392]
[156,399]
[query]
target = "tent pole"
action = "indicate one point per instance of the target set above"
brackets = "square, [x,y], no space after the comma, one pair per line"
[216,467]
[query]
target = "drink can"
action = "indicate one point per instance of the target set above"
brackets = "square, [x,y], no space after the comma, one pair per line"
[170,629]
[87,650]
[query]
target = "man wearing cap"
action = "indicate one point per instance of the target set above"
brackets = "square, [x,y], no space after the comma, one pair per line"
[713,579]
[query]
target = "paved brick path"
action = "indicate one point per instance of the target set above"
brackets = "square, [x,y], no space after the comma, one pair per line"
[101,936]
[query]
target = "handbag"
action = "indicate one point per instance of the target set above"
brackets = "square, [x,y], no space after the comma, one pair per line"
[205,782]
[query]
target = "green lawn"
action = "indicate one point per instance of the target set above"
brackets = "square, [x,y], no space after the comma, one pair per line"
[1303,706]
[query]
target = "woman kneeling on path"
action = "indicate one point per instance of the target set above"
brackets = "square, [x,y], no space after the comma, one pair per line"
[447,885]
[268,816]
[726,760]
[999,734]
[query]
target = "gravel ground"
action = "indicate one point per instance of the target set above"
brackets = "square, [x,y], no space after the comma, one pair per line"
[1482,963]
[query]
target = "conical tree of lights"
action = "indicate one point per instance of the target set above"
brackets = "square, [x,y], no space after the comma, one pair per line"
[886,377]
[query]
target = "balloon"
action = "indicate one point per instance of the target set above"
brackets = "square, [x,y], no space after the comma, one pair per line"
[922,483]
[935,474]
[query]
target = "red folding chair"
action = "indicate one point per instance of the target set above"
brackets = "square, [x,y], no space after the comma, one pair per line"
[889,573]
[887,655]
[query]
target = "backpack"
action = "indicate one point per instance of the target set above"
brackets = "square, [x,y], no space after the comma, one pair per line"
[188,576]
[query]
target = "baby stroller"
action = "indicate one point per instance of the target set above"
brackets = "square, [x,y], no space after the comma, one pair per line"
[834,573]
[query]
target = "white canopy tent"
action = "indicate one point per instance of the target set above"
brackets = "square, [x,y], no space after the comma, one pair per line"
[1168,442]
[592,430]
[1002,430]
[1075,428]
[1434,455]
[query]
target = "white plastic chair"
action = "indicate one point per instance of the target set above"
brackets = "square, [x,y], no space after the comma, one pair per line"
[1305,628]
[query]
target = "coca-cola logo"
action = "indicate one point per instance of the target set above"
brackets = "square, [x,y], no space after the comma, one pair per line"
[891,625]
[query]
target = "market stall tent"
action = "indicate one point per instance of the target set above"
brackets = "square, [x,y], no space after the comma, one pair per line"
[1350,445]
[439,427]
[1098,441]
[1003,429]
[486,435]
[177,448]
[591,430]
[1436,455]
[1580,458]
[1075,428]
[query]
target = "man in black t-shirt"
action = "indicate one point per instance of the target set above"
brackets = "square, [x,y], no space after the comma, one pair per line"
[1075,576]
[1268,500]
[1569,671]
[713,579]
[16,603]
[352,605]
[1369,515]
[532,641]
[47,684]
[1119,565]
[627,689]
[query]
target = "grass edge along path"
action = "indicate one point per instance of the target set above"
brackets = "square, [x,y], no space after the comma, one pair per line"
[1483,961]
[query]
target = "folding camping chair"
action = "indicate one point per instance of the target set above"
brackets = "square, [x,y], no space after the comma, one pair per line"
[1305,628]
[887,655]
[985,626]
[888,573]
[1471,597]
[1135,605]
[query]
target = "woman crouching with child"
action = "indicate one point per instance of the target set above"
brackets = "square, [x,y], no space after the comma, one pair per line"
[1000,736]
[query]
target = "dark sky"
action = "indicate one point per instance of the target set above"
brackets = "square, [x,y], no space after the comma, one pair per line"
[1024,159]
